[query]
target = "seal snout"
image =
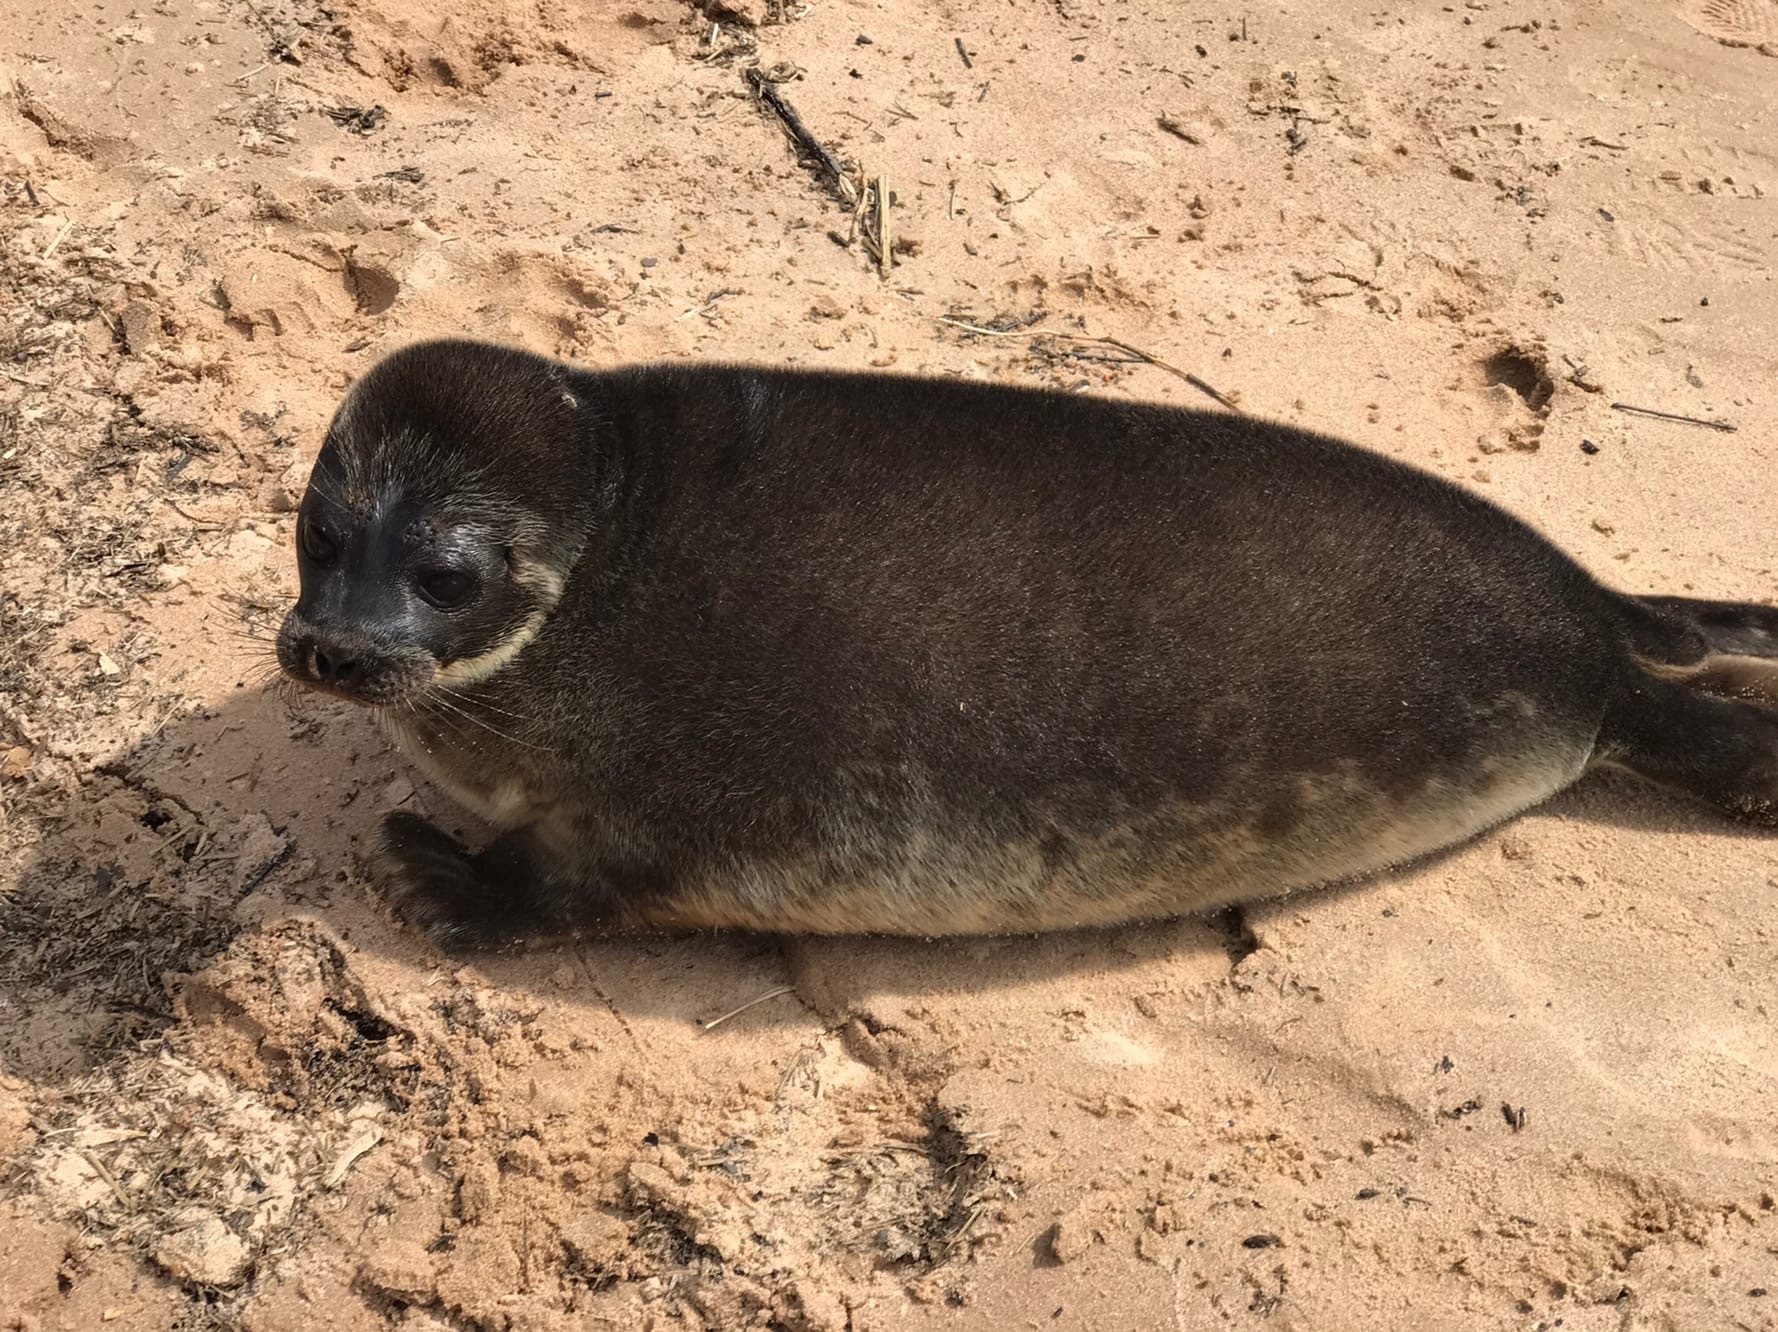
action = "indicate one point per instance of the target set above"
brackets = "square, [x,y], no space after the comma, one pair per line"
[350,664]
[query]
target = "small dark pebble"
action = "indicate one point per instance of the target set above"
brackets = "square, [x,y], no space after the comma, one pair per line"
[1588,447]
[1607,215]
[1202,53]
[855,74]
[598,95]
[1370,1193]
[1758,1292]
[652,1139]
[1469,1107]
[1260,1241]
[650,263]
[862,40]
[1444,1065]
[1079,59]
[1705,300]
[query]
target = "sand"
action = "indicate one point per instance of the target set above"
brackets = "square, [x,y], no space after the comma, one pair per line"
[1531,1084]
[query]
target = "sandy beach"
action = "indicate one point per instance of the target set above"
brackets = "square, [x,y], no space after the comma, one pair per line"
[1531,1084]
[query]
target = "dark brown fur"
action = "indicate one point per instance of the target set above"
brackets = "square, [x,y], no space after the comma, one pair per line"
[831,652]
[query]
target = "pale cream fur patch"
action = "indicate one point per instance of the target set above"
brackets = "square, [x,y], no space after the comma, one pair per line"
[1754,679]
[1210,859]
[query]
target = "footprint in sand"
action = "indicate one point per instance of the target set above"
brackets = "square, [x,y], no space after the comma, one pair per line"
[1736,22]
[1687,245]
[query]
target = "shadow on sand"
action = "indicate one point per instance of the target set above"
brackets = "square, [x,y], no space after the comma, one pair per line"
[261,807]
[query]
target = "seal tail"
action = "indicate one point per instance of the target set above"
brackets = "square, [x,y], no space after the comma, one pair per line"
[1727,648]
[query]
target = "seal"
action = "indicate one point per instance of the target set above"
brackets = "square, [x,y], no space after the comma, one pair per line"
[725,646]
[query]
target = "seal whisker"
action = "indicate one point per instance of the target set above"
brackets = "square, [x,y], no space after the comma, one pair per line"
[424,708]
[330,496]
[259,646]
[261,662]
[475,739]
[484,723]
[480,702]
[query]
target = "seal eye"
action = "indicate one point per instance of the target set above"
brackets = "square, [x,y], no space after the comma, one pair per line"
[316,544]
[445,588]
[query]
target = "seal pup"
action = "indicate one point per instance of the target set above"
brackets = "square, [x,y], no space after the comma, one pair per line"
[717,645]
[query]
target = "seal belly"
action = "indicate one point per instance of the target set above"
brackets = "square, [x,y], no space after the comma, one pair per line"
[940,874]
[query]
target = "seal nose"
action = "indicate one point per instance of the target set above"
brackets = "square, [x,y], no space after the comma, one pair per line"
[349,661]
[336,667]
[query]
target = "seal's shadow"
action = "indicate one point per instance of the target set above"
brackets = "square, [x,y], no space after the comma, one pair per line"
[152,862]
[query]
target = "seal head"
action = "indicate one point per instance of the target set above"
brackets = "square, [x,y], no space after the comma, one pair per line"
[440,521]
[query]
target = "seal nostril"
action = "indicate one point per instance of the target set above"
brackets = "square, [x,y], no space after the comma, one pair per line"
[335,669]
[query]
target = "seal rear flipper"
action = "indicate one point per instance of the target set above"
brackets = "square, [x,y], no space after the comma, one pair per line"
[1729,628]
[461,900]
[1726,648]
[1715,749]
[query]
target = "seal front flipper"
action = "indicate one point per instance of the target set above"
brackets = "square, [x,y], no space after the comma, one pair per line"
[481,900]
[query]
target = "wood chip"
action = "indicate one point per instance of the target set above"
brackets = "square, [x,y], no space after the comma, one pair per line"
[349,1158]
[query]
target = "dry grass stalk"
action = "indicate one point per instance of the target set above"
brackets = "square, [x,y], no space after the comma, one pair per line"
[1091,340]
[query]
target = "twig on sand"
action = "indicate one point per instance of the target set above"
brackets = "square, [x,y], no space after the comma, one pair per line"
[192,517]
[1090,340]
[870,218]
[884,250]
[716,1022]
[1723,426]
[865,197]
[709,303]
[343,1163]
[105,1173]
[807,144]
[61,236]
